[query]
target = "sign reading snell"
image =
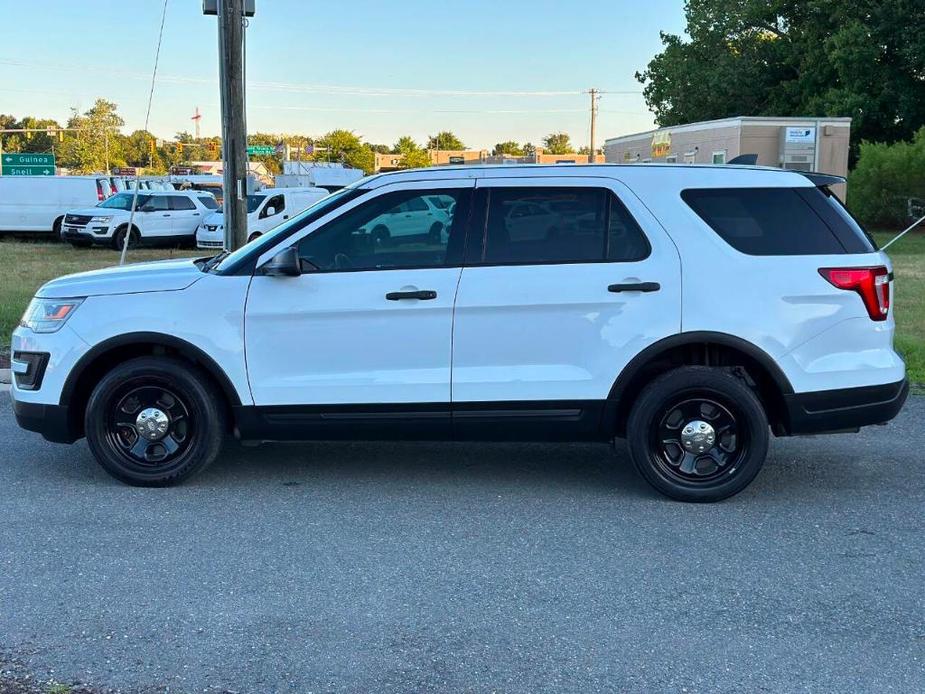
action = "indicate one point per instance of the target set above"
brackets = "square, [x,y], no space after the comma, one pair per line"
[27,164]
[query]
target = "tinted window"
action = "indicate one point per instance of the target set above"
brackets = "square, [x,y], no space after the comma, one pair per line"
[180,202]
[559,225]
[123,201]
[276,202]
[156,203]
[389,231]
[765,221]
[208,202]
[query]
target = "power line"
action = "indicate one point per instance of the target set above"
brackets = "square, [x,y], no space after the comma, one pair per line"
[332,89]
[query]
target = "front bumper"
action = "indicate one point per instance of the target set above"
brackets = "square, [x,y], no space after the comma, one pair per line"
[51,421]
[844,409]
[93,233]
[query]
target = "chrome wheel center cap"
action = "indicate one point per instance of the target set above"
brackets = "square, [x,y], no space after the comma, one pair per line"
[698,437]
[152,424]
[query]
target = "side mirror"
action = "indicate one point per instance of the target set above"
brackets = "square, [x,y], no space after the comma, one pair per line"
[284,264]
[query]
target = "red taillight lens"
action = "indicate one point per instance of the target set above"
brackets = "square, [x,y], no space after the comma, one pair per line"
[99,192]
[871,283]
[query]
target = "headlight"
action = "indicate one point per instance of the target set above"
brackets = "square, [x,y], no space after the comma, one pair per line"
[102,220]
[48,315]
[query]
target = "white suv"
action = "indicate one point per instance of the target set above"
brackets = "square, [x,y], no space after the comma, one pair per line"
[691,310]
[160,216]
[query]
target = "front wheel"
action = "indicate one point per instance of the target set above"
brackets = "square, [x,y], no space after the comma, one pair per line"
[698,434]
[155,421]
[118,238]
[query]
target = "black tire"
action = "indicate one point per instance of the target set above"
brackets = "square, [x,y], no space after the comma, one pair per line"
[255,235]
[381,235]
[56,228]
[684,462]
[191,438]
[119,235]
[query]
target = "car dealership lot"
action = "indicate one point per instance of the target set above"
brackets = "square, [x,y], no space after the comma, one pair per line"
[410,567]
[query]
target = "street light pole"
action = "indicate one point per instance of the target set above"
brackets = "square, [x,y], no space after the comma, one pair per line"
[234,135]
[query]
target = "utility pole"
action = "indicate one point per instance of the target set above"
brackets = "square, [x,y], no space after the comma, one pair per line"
[234,135]
[594,97]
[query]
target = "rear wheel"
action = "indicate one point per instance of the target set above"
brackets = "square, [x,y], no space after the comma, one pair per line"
[155,421]
[255,235]
[698,434]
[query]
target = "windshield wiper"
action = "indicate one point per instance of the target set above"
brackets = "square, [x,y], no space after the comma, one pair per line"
[214,260]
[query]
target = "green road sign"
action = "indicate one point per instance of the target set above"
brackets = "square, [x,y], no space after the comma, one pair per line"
[261,150]
[27,164]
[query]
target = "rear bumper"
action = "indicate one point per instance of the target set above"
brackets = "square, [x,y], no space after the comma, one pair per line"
[846,408]
[51,421]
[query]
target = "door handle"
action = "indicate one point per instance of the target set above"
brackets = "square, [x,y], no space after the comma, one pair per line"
[422,294]
[285,216]
[166,215]
[634,287]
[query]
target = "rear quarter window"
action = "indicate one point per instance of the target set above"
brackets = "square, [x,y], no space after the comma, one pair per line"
[777,221]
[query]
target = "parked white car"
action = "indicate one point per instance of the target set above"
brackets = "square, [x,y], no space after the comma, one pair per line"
[692,310]
[265,210]
[39,203]
[425,217]
[160,217]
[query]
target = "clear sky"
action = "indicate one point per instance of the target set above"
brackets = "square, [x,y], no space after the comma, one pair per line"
[382,69]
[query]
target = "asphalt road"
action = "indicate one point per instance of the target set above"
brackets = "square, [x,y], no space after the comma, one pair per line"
[445,567]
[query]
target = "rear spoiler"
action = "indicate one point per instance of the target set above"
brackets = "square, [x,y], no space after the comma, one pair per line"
[823,180]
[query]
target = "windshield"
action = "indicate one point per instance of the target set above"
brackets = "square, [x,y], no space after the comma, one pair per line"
[123,201]
[253,202]
[269,239]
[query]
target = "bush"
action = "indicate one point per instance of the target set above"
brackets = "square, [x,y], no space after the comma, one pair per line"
[885,179]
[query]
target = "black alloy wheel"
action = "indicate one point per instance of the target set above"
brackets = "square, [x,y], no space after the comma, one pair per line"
[698,434]
[155,421]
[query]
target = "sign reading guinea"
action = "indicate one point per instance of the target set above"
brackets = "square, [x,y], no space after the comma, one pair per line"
[27,164]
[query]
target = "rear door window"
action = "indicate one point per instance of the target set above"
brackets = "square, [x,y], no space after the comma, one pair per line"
[181,202]
[774,221]
[559,225]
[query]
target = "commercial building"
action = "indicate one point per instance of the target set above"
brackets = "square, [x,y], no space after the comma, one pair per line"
[445,157]
[802,144]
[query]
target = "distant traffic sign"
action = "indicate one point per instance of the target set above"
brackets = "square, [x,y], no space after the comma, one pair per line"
[261,150]
[27,164]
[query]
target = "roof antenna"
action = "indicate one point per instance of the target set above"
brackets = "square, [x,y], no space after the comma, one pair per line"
[903,233]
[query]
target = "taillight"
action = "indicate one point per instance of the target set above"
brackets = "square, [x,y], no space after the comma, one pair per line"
[871,283]
[99,191]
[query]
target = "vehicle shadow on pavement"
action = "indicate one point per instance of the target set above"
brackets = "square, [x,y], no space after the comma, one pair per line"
[578,466]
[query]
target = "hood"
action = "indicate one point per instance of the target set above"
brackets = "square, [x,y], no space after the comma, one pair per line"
[219,219]
[160,276]
[94,212]
[214,218]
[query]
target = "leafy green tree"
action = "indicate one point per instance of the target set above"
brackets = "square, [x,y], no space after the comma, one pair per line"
[346,147]
[445,140]
[782,58]
[529,149]
[558,143]
[416,159]
[885,178]
[510,147]
[97,145]
[136,149]
[405,145]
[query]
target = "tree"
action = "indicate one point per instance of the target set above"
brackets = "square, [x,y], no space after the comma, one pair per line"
[414,157]
[136,149]
[405,145]
[97,146]
[510,147]
[781,58]
[885,178]
[445,140]
[558,143]
[346,147]
[529,149]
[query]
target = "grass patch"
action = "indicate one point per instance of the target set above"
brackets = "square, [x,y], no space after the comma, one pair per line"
[27,265]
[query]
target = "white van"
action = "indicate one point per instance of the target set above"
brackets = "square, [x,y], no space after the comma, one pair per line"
[265,210]
[38,203]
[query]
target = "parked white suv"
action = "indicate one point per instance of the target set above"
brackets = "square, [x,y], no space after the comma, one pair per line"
[160,217]
[265,210]
[689,309]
